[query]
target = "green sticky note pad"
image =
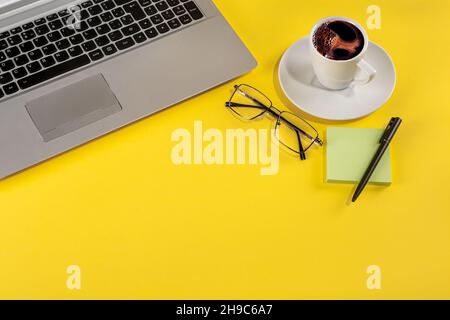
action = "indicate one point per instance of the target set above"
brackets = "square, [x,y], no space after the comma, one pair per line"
[349,153]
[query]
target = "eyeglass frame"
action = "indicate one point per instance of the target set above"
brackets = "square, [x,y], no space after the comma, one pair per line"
[276,113]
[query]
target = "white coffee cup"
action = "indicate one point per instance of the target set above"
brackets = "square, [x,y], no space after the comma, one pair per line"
[340,74]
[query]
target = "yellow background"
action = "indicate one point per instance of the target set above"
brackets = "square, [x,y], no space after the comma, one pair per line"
[141,227]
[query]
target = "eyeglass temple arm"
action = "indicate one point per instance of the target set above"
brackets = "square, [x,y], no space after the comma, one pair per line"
[233,104]
[297,129]
[300,144]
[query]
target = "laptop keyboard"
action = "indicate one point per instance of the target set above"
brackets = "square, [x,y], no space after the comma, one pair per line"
[47,47]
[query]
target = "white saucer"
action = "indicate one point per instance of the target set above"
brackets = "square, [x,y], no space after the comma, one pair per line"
[302,88]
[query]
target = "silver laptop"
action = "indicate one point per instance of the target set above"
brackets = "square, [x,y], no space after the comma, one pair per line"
[71,71]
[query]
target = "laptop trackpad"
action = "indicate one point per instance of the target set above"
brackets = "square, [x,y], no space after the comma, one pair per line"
[73,107]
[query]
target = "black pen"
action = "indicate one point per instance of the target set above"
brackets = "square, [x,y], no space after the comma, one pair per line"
[385,140]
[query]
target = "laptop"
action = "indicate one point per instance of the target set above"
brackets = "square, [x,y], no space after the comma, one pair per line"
[72,71]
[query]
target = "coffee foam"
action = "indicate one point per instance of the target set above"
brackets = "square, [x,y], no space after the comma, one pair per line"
[335,46]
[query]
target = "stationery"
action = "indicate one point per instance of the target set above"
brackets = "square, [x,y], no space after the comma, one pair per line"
[348,153]
[385,141]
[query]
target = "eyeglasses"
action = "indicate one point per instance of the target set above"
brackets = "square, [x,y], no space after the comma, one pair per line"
[292,131]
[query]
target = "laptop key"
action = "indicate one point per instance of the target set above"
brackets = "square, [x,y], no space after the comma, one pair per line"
[35,54]
[14,40]
[145,24]
[33,67]
[40,41]
[12,52]
[163,28]
[66,32]
[61,56]
[101,41]
[86,4]
[6,65]
[115,35]
[162,5]
[21,60]
[193,10]
[75,51]
[39,21]
[63,13]
[52,17]
[10,88]
[5,78]
[126,19]
[131,29]
[84,14]
[151,33]
[4,34]
[125,43]
[43,29]
[102,29]
[185,19]
[174,23]
[48,61]
[2,56]
[118,12]
[53,71]
[89,45]
[62,44]
[26,46]
[28,25]
[89,34]
[108,5]
[151,10]
[49,49]
[115,24]
[106,16]
[96,55]
[139,37]
[94,21]
[54,25]
[168,14]
[76,39]
[28,35]
[157,19]
[54,36]
[135,10]
[95,10]
[16,30]
[19,72]
[179,10]
[109,49]
[3,44]
[83,26]
[68,20]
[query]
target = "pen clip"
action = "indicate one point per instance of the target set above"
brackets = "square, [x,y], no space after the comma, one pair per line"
[387,131]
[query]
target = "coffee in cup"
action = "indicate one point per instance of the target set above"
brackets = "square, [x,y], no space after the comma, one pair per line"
[338,40]
[338,46]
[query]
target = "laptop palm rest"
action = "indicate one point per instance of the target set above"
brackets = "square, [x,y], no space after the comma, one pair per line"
[73,107]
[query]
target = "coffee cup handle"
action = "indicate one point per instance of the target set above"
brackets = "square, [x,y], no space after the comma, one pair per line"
[365,73]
